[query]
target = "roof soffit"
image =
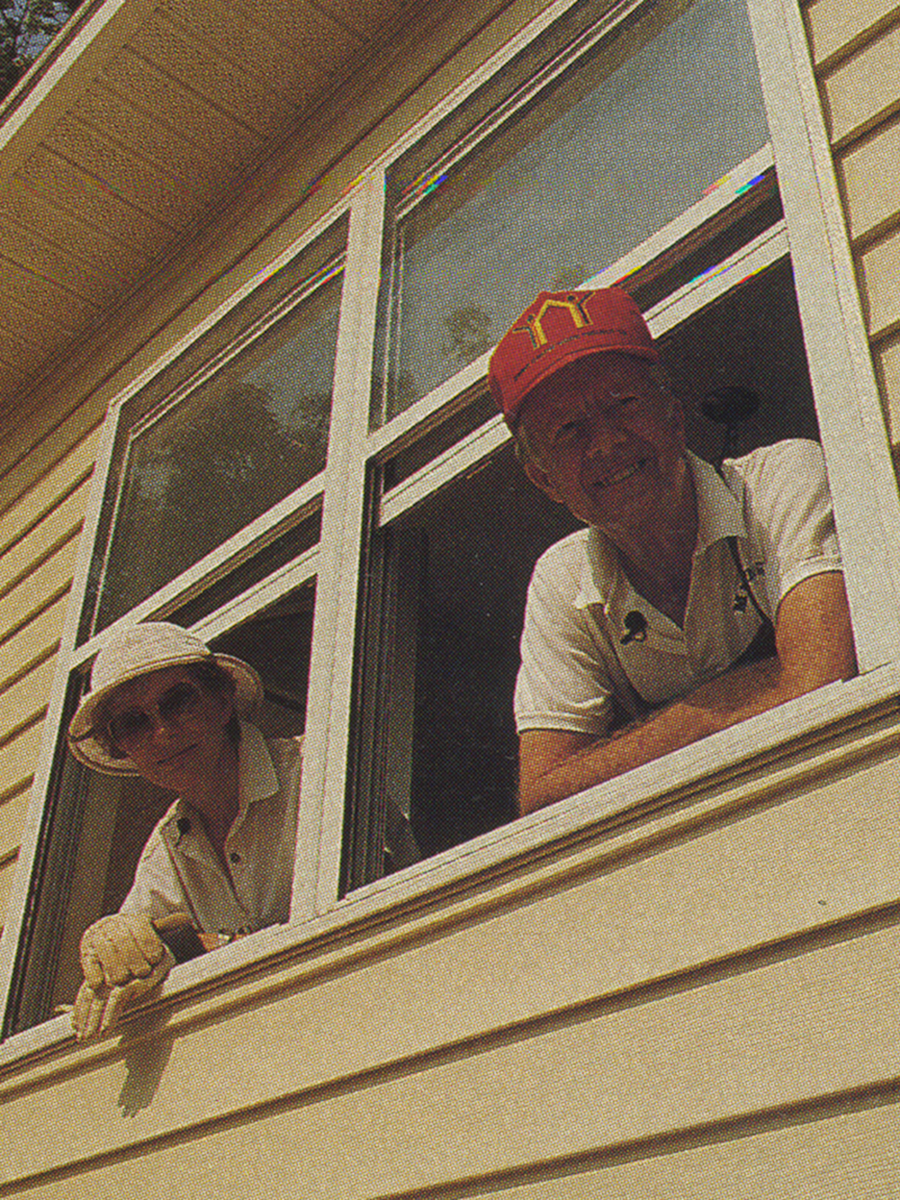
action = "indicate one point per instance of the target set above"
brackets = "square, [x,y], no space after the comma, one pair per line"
[131,128]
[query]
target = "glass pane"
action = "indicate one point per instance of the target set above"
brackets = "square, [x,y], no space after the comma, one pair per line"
[225,454]
[619,147]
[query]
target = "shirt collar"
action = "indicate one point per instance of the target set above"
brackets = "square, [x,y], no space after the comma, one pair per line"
[256,773]
[719,515]
[600,571]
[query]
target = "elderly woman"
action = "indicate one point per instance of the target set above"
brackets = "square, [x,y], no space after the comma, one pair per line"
[220,862]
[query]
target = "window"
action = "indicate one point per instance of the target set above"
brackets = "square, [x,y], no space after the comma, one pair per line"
[613,157]
[211,518]
[342,504]
[457,539]
[231,428]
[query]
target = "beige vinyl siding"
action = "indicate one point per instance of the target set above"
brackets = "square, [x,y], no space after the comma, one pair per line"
[856,53]
[39,534]
[665,1009]
[765,1158]
[44,457]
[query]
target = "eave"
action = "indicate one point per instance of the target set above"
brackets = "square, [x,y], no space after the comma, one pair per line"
[138,129]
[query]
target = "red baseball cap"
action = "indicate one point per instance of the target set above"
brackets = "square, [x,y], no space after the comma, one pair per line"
[557,328]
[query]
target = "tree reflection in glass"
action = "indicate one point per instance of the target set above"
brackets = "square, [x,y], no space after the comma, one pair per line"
[204,468]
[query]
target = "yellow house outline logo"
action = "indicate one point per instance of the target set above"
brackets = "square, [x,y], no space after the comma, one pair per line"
[535,330]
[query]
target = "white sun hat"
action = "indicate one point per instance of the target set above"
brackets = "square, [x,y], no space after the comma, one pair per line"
[139,650]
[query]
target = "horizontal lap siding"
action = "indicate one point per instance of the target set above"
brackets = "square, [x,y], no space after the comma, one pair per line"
[856,53]
[712,1013]
[39,532]
[628,1097]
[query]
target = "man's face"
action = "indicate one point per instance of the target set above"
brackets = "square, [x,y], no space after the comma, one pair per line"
[171,727]
[608,442]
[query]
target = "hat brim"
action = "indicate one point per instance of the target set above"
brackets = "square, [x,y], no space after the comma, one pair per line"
[85,746]
[558,361]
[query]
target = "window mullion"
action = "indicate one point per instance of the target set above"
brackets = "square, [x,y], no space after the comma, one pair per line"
[326,745]
[853,435]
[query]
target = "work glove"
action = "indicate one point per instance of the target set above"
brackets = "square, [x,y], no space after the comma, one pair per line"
[123,957]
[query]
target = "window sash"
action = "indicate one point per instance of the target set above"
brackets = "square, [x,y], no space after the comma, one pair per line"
[213,386]
[863,482]
[572,157]
[471,378]
[74,652]
[487,439]
[218,563]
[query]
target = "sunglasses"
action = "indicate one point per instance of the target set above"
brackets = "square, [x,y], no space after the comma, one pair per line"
[135,724]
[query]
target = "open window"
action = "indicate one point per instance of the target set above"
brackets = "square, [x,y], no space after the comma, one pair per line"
[634,150]
[456,542]
[211,518]
[104,821]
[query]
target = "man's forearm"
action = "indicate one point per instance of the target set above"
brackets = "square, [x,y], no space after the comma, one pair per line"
[815,646]
[715,705]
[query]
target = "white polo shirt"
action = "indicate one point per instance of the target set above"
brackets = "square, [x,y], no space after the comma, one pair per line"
[179,870]
[576,671]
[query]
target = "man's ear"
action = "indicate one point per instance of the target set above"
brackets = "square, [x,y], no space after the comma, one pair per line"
[676,415]
[541,479]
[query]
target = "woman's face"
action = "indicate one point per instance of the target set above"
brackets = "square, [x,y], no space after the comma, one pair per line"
[172,727]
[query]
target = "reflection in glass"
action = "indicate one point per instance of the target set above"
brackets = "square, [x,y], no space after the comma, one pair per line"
[235,446]
[619,147]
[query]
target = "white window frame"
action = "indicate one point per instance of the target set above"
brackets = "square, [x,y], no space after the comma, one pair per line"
[863,486]
[72,655]
[867,511]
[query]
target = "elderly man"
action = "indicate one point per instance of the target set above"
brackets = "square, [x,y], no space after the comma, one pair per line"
[220,862]
[646,630]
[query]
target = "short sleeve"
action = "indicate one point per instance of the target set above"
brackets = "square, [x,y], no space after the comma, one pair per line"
[789,514]
[563,682]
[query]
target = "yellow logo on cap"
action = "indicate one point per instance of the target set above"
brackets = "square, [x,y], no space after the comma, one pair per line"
[535,329]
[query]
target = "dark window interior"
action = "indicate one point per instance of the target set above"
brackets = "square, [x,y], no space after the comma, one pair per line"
[471,548]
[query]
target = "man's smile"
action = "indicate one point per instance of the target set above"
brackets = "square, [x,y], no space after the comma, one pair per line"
[621,474]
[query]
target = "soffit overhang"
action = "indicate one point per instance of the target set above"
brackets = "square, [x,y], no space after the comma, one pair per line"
[136,125]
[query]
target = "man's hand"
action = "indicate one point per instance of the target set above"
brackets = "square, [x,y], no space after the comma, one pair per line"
[123,958]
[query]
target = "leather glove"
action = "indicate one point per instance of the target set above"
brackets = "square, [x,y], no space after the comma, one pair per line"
[123,958]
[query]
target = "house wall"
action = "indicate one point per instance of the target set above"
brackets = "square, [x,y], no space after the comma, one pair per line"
[702,1006]
[39,532]
[855,54]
